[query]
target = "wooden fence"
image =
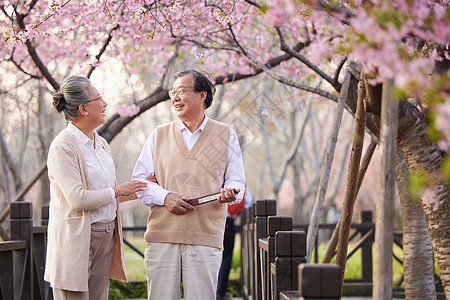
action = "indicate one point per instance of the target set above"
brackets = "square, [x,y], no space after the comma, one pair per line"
[273,250]
[273,262]
[23,257]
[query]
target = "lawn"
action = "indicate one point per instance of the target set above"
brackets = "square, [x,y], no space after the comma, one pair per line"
[133,261]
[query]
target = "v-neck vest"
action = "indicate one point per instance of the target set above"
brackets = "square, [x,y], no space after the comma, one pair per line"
[190,173]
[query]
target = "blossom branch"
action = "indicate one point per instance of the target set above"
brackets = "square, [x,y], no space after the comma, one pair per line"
[287,49]
[291,82]
[18,66]
[271,63]
[338,70]
[170,63]
[105,45]
[35,57]
[283,79]
[49,16]
[253,3]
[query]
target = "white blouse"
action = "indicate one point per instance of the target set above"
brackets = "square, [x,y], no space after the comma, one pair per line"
[100,171]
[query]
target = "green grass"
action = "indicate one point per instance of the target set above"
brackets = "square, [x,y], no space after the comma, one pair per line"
[133,261]
[136,286]
[353,266]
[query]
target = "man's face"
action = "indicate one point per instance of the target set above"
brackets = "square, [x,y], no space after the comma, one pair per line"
[191,105]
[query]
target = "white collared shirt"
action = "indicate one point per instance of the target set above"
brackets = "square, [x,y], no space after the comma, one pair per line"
[154,194]
[100,170]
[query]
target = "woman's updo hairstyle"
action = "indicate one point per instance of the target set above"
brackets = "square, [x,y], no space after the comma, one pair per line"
[71,94]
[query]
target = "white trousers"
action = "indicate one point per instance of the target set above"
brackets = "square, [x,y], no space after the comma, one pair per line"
[168,265]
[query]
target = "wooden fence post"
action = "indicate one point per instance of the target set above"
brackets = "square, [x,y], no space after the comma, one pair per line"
[274,224]
[263,209]
[290,251]
[366,249]
[42,289]
[245,219]
[45,214]
[319,281]
[251,251]
[21,214]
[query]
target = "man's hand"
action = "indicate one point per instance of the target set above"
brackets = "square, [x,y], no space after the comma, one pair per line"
[176,205]
[227,195]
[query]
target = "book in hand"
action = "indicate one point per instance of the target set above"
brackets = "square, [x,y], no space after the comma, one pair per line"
[205,199]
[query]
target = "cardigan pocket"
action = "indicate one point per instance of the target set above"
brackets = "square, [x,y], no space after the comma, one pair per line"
[74,220]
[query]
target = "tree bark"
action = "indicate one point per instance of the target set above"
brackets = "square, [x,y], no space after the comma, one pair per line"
[423,157]
[384,221]
[418,264]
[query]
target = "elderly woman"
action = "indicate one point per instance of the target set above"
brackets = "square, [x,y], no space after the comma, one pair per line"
[84,232]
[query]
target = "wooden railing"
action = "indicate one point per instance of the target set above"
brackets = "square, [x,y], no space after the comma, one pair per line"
[23,257]
[273,251]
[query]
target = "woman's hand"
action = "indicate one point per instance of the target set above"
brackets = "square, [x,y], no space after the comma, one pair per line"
[152,179]
[129,187]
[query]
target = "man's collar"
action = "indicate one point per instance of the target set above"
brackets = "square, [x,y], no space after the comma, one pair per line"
[202,126]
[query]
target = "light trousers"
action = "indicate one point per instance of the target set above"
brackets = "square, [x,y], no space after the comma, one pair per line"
[100,255]
[170,265]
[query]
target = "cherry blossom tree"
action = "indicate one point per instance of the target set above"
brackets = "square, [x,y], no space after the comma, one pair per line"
[302,44]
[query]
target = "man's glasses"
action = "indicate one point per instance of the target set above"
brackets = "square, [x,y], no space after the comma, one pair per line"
[180,92]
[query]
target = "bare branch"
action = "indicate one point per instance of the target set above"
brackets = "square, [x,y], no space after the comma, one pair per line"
[10,162]
[320,196]
[294,148]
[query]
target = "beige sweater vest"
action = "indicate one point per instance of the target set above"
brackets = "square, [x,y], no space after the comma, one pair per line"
[192,174]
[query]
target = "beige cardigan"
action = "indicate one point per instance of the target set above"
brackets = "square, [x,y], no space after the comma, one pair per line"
[69,228]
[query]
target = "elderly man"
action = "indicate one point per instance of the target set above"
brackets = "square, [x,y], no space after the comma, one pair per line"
[191,157]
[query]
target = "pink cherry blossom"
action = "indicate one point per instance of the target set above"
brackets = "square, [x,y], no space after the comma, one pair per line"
[128,110]
[443,125]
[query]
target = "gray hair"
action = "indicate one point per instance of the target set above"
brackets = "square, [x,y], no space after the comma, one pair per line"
[71,94]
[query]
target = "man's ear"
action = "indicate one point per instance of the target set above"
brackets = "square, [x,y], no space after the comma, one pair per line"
[204,94]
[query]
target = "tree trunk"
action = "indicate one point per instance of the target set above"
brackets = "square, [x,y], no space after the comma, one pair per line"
[352,180]
[362,171]
[384,221]
[418,265]
[421,156]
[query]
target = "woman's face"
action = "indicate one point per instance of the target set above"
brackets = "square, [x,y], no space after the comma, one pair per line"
[95,108]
